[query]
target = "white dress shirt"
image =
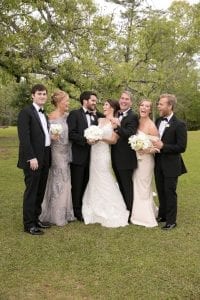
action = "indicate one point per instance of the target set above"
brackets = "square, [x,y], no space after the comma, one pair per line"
[44,125]
[164,124]
[88,117]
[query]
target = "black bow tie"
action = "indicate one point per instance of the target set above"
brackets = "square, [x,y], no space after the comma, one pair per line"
[120,113]
[164,119]
[89,113]
[41,110]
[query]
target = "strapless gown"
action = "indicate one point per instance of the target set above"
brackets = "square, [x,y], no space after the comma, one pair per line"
[144,210]
[102,200]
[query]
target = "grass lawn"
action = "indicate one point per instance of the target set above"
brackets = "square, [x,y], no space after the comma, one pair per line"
[93,262]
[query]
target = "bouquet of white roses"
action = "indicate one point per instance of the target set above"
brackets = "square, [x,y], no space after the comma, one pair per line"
[138,142]
[56,129]
[93,133]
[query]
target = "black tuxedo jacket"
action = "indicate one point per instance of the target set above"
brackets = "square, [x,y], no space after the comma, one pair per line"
[77,123]
[31,137]
[175,142]
[123,157]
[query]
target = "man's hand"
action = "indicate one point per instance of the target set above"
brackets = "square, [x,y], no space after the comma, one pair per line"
[115,122]
[33,164]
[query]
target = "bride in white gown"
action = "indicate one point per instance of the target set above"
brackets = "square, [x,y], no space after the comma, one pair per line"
[102,200]
[144,210]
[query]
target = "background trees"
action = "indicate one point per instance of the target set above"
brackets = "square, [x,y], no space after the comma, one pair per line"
[70,45]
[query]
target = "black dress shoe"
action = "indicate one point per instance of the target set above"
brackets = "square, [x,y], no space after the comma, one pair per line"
[129,219]
[80,219]
[169,226]
[160,220]
[43,225]
[34,231]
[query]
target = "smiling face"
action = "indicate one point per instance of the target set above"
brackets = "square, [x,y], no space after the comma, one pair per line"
[107,109]
[91,103]
[40,98]
[125,101]
[145,108]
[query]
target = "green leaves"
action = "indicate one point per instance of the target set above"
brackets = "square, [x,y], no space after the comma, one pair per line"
[70,45]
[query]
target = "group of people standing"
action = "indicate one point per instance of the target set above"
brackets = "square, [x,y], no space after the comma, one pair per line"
[68,177]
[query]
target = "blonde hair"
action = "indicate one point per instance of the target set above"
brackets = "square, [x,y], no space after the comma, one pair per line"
[57,96]
[172,100]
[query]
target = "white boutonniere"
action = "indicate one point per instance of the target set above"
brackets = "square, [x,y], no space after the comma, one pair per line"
[167,125]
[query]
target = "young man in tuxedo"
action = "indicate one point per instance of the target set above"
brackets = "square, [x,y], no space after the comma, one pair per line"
[78,120]
[168,163]
[34,158]
[124,159]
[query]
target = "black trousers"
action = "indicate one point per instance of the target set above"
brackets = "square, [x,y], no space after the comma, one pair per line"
[166,188]
[35,182]
[125,181]
[79,180]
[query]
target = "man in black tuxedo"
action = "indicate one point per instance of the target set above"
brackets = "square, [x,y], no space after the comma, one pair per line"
[34,158]
[124,159]
[78,120]
[168,163]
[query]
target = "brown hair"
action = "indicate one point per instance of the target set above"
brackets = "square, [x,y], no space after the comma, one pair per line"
[86,95]
[57,96]
[38,87]
[115,105]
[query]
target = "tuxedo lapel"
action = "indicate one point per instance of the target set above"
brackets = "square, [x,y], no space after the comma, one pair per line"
[83,115]
[35,113]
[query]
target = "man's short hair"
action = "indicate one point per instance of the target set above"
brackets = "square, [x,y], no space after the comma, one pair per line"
[86,95]
[128,93]
[172,100]
[38,87]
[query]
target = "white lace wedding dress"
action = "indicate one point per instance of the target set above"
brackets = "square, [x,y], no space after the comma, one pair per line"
[144,210]
[102,200]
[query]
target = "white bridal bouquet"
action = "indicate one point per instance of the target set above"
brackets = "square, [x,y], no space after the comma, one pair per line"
[56,129]
[93,133]
[139,141]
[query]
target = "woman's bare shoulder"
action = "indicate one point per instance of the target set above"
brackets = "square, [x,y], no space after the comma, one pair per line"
[152,128]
